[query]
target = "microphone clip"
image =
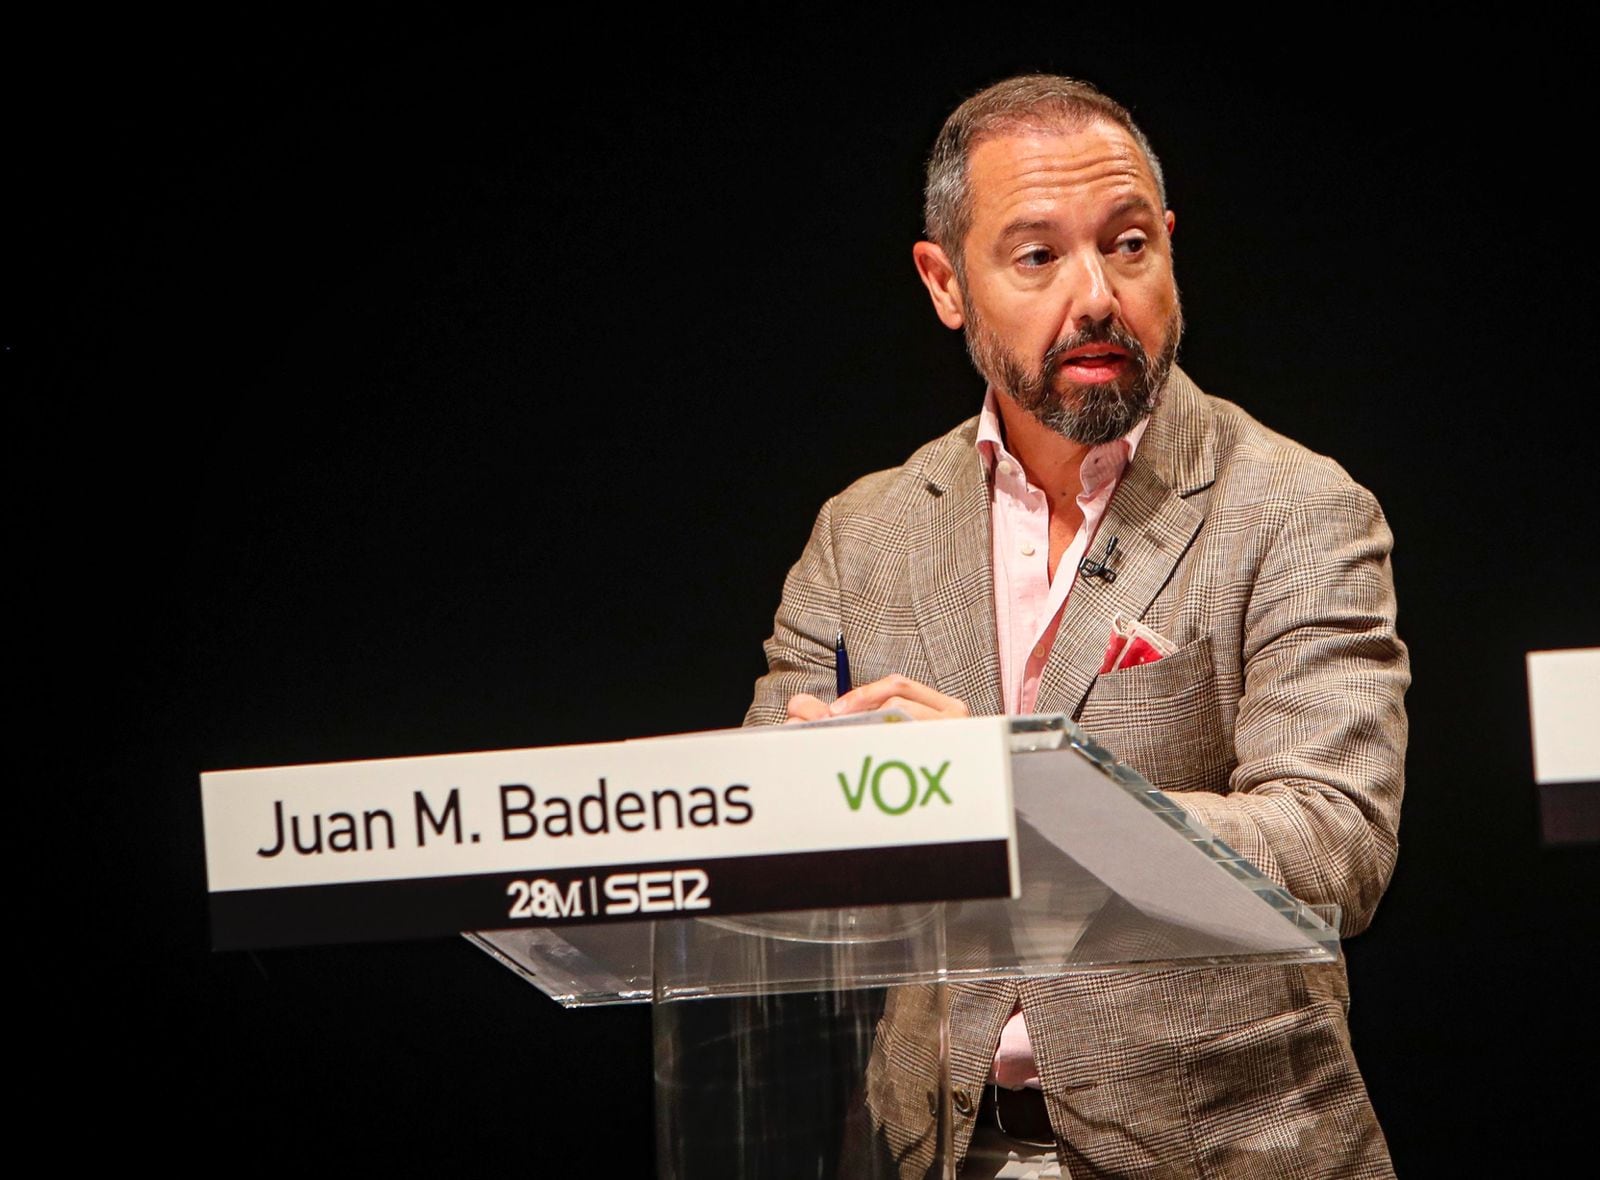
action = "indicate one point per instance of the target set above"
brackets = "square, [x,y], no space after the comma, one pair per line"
[1101,569]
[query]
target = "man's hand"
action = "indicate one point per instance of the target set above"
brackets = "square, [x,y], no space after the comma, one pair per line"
[892,692]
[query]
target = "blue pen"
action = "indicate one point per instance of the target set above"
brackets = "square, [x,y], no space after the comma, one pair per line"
[841,666]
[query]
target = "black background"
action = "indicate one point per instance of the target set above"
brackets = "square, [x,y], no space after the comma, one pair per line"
[417,388]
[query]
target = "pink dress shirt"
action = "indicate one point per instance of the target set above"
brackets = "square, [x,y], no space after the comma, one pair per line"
[1028,608]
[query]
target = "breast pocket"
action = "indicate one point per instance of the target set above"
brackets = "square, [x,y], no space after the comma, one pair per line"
[1164,720]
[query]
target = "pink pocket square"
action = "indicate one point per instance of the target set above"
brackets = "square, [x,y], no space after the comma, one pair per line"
[1131,644]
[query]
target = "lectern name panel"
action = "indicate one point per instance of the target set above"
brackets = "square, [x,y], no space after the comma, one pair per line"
[729,822]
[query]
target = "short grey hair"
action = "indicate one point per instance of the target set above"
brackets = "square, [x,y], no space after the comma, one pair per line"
[1030,102]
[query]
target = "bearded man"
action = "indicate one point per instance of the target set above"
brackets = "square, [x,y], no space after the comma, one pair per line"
[960,581]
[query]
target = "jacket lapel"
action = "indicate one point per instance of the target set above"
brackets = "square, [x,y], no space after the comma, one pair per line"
[952,585]
[1154,524]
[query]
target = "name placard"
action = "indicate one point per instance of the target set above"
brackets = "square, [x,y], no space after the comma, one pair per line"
[1563,687]
[739,821]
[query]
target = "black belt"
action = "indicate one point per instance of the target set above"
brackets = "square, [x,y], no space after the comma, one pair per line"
[1021,1114]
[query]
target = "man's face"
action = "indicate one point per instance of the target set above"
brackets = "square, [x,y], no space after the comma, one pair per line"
[1069,303]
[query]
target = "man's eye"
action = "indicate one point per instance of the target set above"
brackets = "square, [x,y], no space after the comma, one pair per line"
[1132,246]
[1035,258]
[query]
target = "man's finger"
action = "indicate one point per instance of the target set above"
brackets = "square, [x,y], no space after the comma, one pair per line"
[914,697]
[805,707]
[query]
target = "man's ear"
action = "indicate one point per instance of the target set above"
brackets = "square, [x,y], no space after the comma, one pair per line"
[936,273]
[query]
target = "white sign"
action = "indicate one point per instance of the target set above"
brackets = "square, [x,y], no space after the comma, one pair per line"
[1564,700]
[733,821]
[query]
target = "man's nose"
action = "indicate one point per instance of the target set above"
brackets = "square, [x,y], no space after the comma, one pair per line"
[1093,299]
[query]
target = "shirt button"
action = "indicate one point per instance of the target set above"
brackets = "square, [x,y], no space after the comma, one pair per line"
[1027,549]
[1005,467]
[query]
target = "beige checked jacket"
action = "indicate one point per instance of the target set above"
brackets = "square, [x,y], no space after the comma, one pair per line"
[1279,719]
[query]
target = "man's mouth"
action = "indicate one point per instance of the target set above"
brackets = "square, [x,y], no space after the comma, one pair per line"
[1094,362]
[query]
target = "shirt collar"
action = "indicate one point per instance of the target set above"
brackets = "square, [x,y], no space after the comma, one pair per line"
[1102,465]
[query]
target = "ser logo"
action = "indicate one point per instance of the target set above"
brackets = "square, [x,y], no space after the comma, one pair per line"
[894,787]
[657,892]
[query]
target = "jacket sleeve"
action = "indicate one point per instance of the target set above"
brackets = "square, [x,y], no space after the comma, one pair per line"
[800,651]
[1319,737]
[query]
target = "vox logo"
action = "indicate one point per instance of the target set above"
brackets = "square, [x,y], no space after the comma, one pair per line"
[895,788]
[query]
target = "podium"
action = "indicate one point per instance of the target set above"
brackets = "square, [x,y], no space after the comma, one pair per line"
[771,1030]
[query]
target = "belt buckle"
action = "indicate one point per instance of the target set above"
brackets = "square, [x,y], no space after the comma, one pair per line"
[1027,1112]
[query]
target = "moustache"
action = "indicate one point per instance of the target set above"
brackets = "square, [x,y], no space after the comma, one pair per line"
[1105,332]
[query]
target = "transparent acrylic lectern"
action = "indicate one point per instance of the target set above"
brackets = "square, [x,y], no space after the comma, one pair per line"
[768,1028]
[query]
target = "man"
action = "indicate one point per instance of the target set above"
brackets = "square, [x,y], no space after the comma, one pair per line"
[1264,569]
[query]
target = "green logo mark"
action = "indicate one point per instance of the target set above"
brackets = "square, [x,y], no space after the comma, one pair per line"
[894,786]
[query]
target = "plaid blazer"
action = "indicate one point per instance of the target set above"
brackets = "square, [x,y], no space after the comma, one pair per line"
[1279,718]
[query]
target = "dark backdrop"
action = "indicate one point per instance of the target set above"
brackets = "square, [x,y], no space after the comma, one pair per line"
[375,394]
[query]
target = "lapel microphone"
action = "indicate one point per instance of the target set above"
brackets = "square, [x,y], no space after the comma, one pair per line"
[1100,569]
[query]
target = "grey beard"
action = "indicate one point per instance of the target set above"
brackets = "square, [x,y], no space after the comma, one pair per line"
[1086,414]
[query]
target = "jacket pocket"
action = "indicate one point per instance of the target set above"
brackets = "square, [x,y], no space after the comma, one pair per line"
[1281,1096]
[1165,720]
